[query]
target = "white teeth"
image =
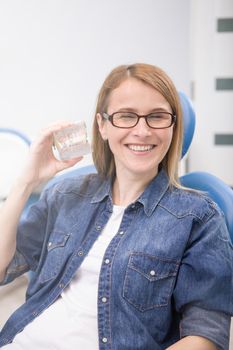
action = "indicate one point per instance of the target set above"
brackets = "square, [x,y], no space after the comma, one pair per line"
[140,148]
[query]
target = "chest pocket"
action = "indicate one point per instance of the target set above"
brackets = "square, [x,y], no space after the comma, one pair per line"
[149,281]
[56,255]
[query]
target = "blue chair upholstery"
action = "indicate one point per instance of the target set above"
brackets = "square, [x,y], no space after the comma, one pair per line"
[189,122]
[17,133]
[214,187]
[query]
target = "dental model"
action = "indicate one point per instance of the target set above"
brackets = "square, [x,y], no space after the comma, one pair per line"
[71,141]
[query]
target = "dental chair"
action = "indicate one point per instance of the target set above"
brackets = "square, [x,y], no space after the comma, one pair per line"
[214,187]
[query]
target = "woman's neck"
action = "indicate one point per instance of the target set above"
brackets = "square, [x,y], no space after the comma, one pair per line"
[126,191]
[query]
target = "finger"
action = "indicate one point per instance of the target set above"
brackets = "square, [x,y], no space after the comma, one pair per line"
[58,126]
[49,130]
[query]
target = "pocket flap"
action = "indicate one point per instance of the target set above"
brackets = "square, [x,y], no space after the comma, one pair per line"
[153,267]
[58,239]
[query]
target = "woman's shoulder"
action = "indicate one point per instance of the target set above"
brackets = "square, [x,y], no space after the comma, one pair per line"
[87,184]
[184,201]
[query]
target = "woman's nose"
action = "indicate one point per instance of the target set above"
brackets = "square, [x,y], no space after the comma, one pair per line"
[142,129]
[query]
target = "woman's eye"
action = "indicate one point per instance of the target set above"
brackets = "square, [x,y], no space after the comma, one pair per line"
[156,116]
[159,116]
[127,116]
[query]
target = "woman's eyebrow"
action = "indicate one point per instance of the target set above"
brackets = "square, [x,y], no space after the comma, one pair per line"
[160,109]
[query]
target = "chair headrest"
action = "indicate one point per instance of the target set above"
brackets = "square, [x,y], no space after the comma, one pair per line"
[189,121]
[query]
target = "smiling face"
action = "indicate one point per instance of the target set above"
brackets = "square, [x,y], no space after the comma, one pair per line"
[137,151]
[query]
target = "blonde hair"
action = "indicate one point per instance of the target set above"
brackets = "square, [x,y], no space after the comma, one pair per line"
[158,79]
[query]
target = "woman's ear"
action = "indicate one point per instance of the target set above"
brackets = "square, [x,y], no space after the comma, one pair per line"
[102,126]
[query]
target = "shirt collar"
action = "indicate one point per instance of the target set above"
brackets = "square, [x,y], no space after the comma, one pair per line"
[149,198]
[154,192]
[103,191]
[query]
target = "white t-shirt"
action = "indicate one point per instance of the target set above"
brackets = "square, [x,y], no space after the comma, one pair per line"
[71,321]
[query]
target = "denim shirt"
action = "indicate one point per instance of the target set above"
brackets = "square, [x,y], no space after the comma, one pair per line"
[166,274]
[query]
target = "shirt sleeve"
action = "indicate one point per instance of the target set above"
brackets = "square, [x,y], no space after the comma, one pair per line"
[204,288]
[29,241]
[213,325]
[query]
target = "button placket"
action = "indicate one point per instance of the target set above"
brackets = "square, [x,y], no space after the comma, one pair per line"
[104,297]
[105,281]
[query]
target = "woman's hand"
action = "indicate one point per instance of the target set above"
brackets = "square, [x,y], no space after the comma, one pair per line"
[42,164]
[40,167]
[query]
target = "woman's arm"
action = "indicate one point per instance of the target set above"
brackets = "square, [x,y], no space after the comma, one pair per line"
[40,167]
[9,217]
[193,343]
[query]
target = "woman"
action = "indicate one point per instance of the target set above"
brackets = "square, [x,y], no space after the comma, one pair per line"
[126,258]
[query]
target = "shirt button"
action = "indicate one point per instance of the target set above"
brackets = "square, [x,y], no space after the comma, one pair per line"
[80,253]
[107,261]
[152,272]
[50,243]
[121,233]
[104,340]
[104,299]
[98,227]
[61,285]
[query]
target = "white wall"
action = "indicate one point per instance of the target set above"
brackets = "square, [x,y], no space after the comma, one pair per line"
[54,55]
[212,57]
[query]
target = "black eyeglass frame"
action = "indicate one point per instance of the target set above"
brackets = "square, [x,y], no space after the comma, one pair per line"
[109,117]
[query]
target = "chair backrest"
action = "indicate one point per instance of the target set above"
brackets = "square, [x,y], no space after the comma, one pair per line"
[214,187]
[17,133]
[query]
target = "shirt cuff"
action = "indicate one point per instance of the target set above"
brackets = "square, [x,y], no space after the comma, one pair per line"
[17,267]
[213,325]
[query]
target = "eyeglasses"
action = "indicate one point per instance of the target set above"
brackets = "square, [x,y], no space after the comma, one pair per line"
[126,120]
